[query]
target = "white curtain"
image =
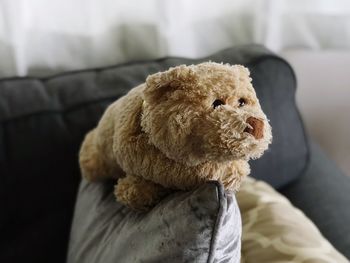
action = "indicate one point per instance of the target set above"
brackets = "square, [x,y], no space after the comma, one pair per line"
[46,36]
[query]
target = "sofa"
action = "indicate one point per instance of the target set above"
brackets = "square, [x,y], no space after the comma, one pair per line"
[44,120]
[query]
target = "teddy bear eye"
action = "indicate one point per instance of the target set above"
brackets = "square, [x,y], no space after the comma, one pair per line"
[217,103]
[241,102]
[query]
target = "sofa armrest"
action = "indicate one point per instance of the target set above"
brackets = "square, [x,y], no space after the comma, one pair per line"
[323,193]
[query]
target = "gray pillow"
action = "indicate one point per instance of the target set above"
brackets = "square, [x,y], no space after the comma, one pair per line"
[203,225]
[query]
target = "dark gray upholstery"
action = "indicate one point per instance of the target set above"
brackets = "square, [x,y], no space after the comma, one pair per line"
[323,193]
[43,121]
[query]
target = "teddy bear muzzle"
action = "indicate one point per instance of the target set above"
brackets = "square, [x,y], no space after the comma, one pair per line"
[256,129]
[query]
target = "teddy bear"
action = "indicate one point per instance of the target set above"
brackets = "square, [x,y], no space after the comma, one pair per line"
[181,128]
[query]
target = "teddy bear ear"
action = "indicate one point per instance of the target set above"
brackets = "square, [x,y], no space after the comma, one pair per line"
[243,70]
[159,84]
[242,73]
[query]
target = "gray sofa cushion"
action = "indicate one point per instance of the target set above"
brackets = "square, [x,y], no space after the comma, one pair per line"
[203,225]
[44,120]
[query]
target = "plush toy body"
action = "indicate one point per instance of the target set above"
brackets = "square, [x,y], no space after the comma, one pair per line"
[181,128]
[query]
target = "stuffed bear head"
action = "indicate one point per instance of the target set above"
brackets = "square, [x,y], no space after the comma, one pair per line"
[204,113]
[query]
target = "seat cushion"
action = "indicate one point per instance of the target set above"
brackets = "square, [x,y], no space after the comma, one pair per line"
[276,231]
[43,122]
[203,225]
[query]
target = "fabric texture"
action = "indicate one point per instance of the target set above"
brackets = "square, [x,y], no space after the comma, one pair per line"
[275,231]
[203,225]
[43,122]
[322,192]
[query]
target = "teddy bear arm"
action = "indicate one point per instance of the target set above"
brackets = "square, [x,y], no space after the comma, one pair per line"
[93,163]
[138,193]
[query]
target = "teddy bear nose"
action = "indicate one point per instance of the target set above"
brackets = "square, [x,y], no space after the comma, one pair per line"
[257,129]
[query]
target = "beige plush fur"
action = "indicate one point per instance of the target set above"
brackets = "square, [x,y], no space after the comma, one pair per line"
[181,128]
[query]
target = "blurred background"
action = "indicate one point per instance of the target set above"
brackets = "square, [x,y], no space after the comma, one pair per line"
[40,38]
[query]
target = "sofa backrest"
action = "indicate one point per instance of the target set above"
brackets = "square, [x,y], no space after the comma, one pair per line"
[43,122]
